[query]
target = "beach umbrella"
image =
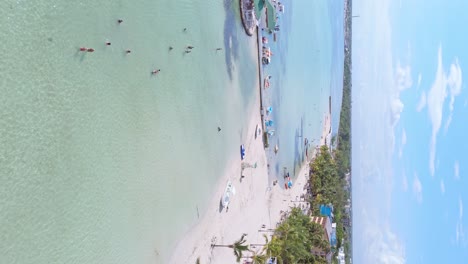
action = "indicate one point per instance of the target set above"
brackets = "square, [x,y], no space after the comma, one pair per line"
[269,110]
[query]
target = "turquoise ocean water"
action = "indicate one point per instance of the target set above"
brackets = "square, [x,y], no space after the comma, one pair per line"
[100,162]
[306,68]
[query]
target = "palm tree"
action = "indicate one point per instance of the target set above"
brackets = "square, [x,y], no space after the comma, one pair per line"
[259,258]
[238,247]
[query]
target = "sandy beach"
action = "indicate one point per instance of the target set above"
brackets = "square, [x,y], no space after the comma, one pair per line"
[256,203]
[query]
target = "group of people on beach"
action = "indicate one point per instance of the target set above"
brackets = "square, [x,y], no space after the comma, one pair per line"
[287,181]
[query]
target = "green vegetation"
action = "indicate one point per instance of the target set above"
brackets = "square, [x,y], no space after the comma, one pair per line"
[294,239]
[238,246]
[343,152]
[328,188]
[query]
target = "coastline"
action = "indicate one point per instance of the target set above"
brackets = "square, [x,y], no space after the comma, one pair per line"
[256,202]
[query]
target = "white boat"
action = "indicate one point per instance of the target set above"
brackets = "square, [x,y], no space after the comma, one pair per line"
[230,191]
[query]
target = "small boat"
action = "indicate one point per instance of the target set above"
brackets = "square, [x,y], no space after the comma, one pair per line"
[228,192]
[281,8]
[242,152]
[266,60]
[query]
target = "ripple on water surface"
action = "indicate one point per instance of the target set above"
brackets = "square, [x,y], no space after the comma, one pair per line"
[100,161]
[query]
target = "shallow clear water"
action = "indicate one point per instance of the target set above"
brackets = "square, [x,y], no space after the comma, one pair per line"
[306,68]
[100,162]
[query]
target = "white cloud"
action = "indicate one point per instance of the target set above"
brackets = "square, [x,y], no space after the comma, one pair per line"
[454,82]
[460,207]
[422,102]
[443,86]
[403,81]
[442,187]
[447,123]
[397,108]
[383,247]
[379,111]
[456,170]
[403,143]
[417,189]
[459,231]
[403,137]
[403,77]
[405,182]
[419,81]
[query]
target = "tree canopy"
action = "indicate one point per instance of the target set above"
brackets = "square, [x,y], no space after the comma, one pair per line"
[294,239]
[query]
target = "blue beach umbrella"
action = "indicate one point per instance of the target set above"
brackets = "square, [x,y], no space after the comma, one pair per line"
[269,110]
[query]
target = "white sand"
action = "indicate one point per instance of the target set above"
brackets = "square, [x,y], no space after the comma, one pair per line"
[257,202]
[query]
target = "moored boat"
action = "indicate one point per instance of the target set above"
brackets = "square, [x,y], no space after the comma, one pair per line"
[228,192]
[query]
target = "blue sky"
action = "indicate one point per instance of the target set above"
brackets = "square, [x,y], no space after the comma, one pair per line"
[410,113]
